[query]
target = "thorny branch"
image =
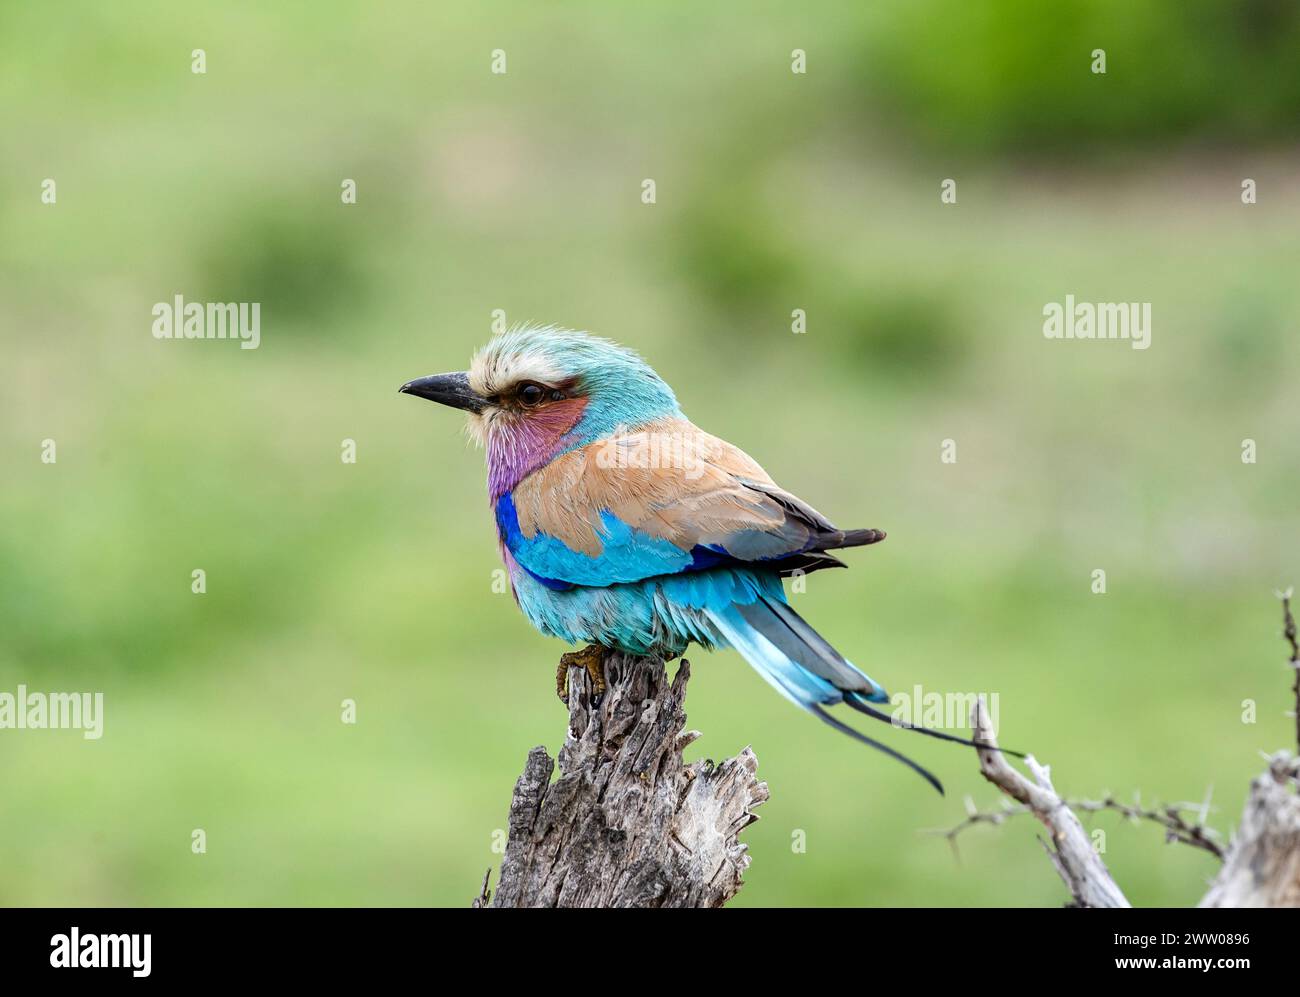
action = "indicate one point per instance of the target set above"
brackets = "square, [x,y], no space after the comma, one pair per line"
[1289,632]
[1260,866]
[1169,816]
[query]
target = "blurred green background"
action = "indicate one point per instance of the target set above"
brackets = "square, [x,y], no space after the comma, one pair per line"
[521,192]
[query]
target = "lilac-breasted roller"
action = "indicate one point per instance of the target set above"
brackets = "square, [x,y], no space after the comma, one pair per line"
[624,526]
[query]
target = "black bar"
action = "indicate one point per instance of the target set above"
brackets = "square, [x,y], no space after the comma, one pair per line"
[368,946]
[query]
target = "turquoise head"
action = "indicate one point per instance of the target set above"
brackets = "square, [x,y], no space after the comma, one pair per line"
[533,393]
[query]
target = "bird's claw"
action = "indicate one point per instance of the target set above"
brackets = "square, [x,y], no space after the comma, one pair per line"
[562,680]
[592,660]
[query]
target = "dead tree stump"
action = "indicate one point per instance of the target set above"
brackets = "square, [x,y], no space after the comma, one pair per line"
[1262,867]
[627,823]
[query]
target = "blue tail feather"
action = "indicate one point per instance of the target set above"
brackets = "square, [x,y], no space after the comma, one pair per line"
[799,663]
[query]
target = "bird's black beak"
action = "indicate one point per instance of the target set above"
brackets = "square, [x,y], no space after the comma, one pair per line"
[446,389]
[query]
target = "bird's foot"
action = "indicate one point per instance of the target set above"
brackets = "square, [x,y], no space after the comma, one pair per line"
[591,659]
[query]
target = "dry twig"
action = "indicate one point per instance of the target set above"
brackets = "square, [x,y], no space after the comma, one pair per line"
[1070,848]
[1168,816]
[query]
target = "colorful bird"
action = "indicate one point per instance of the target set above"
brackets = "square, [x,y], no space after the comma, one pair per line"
[624,526]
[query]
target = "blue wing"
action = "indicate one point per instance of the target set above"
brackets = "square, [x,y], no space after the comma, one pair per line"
[627,554]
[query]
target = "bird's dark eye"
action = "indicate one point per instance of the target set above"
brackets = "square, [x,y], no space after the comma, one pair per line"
[531,394]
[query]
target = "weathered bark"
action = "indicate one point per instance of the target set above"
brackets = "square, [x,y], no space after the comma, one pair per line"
[627,823]
[1262,867]
[1070,849]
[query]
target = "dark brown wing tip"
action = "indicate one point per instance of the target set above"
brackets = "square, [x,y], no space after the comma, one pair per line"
[860,538]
